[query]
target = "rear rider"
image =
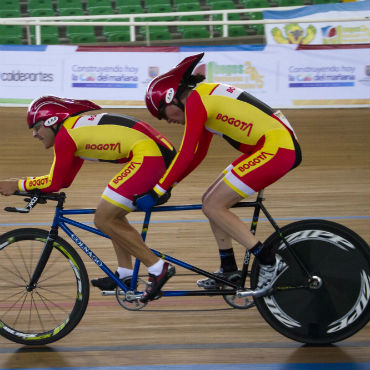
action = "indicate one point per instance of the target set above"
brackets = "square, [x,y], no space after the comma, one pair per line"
[142,153]
[264,137]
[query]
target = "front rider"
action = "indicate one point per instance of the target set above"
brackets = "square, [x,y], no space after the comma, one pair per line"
[142,153]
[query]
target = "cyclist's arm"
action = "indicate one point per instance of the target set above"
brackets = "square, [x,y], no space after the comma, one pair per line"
[63,169]
[203,146]
[195,117]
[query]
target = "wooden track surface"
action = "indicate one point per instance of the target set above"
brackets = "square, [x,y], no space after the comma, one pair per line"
[332,182]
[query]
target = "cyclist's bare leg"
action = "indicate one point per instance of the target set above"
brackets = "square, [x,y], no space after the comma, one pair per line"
[112,221]
[216,206]
[223,239]
[123,257]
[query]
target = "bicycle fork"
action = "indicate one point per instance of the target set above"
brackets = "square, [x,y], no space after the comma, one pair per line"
[43,259]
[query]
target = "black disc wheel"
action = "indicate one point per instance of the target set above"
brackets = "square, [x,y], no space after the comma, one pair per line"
[335,303]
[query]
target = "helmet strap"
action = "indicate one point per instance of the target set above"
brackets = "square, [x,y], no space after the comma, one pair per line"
[56,128]
[179,104]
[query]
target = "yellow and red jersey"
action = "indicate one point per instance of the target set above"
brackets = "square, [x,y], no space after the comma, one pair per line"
[101,137]
[231,113]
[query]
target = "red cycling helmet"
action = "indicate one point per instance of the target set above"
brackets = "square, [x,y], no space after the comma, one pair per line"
[164,88]
[53,110]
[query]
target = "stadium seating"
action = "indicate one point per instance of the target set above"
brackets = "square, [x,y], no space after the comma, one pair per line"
[100,10]
[221,4]
[9,40]
[130,9]
[258,29]
[117,33]
[94,3]
[159,33]
[10,13]
[39,4]
[84,34]
[82,38]
[188,7]
[118,37]
[81,34]
[160,8]
[49,35]
[149,3]
[10,34]
[41,13]
[71,11]
[290,2]
[237,30]
[9,5]
[194,32]
[255,3]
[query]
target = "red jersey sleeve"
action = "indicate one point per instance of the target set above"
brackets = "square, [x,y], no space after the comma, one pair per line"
[195,118]
[202,150]
[63,169]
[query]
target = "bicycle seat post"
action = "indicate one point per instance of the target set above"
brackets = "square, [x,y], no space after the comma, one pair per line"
[256,212]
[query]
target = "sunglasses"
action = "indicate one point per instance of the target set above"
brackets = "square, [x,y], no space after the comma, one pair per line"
[161,110]
[37,125]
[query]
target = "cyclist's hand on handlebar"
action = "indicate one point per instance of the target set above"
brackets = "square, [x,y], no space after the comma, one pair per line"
[8,187]
[164,198]
[144,202]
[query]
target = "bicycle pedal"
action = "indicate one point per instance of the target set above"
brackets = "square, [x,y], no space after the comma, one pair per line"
[159,295]
[108,292]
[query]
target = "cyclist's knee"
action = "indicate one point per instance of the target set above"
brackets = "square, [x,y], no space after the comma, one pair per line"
[205,196]
[108,216]
[99,219]
[209,208]
[102,217]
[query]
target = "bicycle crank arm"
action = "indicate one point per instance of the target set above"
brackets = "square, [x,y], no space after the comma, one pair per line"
[108,292]
[130,296]
[253,293]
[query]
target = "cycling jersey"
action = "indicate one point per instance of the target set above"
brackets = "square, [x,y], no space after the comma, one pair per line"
[107,138]
[248,124]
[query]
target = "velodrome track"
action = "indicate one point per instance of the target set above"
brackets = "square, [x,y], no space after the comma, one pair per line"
[194,332]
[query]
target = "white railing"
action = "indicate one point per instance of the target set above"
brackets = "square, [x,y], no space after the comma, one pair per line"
[37,22]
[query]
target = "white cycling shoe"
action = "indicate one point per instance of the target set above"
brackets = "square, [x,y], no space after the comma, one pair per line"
[268,274]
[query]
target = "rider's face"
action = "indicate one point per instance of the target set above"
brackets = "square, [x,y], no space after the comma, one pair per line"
[173,114]
[44,134]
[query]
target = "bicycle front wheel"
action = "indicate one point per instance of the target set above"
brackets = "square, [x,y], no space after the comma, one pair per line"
[338,304]
[55,306]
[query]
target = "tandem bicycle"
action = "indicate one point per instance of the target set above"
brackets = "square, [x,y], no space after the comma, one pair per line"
[323,296]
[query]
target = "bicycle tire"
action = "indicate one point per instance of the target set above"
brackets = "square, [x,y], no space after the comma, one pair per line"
[336,310]
[57,304]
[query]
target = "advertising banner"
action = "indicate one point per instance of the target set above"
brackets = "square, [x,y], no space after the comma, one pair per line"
[110,76]
[314,76]
[287,76]
[249,69]
[25,74]
[284,76]
[316,32]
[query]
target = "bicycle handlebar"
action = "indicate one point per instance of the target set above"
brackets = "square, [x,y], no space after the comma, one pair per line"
[36,196]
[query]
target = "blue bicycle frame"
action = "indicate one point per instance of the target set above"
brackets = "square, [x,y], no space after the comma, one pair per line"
[60,220]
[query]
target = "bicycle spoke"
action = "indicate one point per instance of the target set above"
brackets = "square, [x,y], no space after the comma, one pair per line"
[23,293]
[15,271]
[37,311]
[52,302]
[24,262]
